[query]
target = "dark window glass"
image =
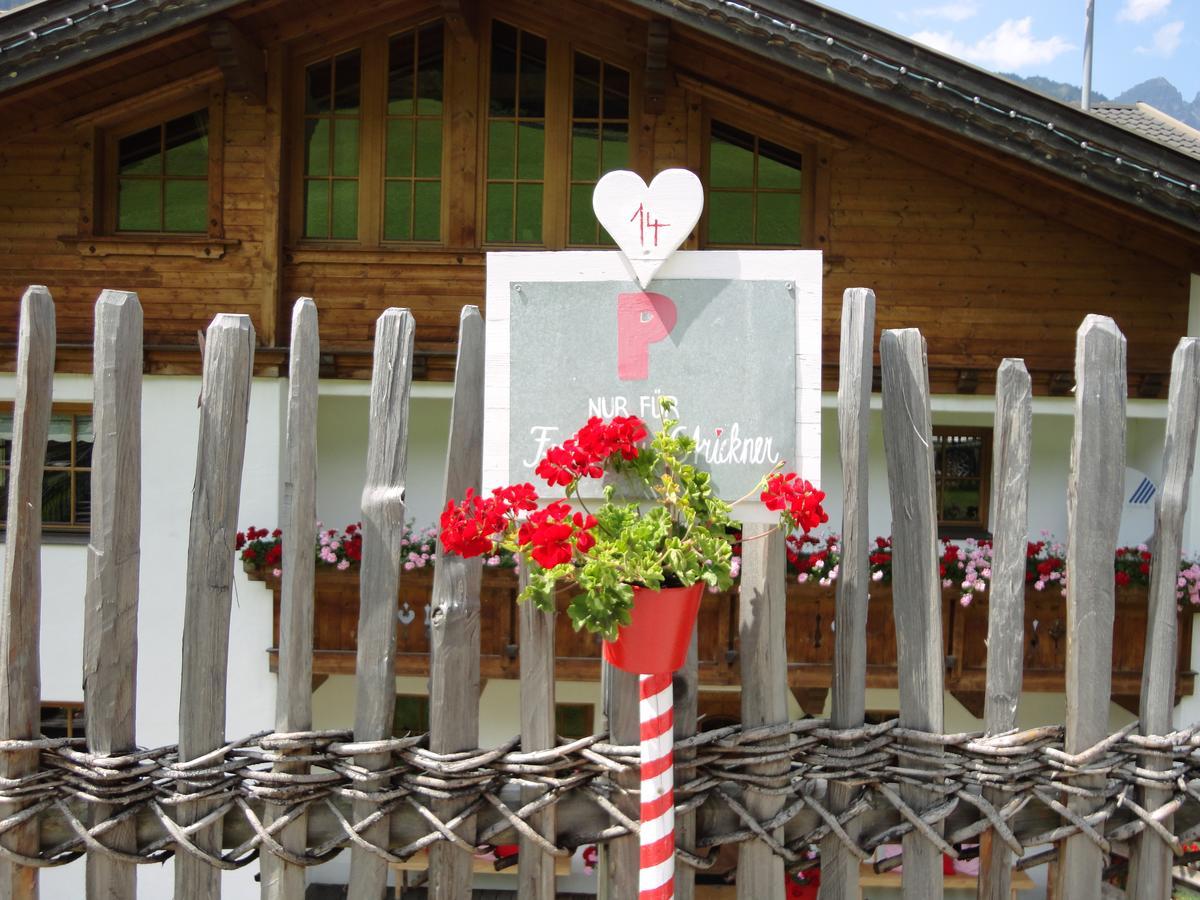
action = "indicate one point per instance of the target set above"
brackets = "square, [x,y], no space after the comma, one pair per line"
[412,208]
[412,715]
[755,190]
[333,104]
[162,177]
[66,480]
[516,138]
[962,475]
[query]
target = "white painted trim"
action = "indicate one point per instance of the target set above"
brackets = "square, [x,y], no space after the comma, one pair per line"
[801,267]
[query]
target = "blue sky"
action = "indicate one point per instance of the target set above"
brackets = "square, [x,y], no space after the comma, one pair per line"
[1134,39]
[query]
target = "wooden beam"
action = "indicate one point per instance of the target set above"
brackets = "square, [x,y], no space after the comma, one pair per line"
[461,16]
[972,701]
[656,83]
[241,61]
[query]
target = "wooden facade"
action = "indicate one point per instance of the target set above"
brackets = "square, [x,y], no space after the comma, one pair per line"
[988,257]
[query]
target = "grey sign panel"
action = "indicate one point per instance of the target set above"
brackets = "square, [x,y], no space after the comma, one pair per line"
[724,350]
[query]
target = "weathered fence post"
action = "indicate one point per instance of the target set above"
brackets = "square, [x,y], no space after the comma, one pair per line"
[535,872]
[383,526]
[839,867]
[282,880]
[762,614]
[916,585]
[1012,443]
[110,613]
[224,406]
[1151,860]
[1093,518]
[454,631]
[20,605]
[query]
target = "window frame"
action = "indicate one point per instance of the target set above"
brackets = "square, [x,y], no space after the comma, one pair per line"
[958,528]
[107,176]
[757,121]
[8,407]
[372,138]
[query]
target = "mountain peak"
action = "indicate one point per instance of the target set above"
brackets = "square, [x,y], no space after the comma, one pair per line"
[1158,92]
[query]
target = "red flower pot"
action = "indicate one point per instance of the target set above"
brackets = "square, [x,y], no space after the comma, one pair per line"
[659,630]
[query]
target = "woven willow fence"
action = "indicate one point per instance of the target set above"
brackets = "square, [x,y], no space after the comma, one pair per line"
[292,797]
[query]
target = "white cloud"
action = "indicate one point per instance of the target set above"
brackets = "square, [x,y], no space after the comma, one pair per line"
[1011,46]
[954,12]
[1166,40]
[1141,10]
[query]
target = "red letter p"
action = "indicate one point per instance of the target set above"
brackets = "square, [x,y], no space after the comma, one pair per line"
[643,319]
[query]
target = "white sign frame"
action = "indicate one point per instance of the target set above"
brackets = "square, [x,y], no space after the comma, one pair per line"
[803,268]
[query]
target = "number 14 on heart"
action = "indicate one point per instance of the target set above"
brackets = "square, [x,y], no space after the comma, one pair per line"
[645,221]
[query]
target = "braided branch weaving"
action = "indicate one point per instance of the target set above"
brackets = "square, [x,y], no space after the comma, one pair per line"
[1029,768]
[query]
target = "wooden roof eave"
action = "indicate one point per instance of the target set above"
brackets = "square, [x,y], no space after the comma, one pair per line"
[739,25]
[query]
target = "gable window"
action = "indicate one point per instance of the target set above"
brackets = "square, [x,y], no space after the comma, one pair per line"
[67,477]
[158,176]
[755,190]
[557,118]
[962,476]
[371,128]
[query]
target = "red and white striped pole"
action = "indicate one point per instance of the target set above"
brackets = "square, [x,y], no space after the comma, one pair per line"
[656,867]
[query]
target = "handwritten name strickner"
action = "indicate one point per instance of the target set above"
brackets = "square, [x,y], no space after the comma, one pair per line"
[722,447]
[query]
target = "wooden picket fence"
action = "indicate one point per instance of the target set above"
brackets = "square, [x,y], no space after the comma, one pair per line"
[294,797]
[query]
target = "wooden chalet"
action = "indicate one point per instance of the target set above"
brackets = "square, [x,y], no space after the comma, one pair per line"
[233,155]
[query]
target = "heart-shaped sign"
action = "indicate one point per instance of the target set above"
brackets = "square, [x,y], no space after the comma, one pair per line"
[648,223]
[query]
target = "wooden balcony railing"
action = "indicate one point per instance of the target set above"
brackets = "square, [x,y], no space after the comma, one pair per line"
[809,638]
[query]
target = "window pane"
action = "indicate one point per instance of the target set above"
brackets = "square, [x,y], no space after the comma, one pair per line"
[961,501]
[140,154]
[345,209]
[316,209]
[730,217]
[616,148]
[533,76]
[778,219]
[585,152]
[529,214]
[429,148]
[317,87]
[4,492]
[345,147]
[531,151]
[84,440]
[401,81]
[185,206]
[778,167]
[428,220]
[346,83]
[399,148]
[499,213]
[730,158]
[58,440]
[616,93]
[397,211]
[502,152]
[186,140]
[83,498]
[502,83]
[316,146]
[412,715]
[583,220]
[585,98]
[430,66]
[139,204]
[56,498]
